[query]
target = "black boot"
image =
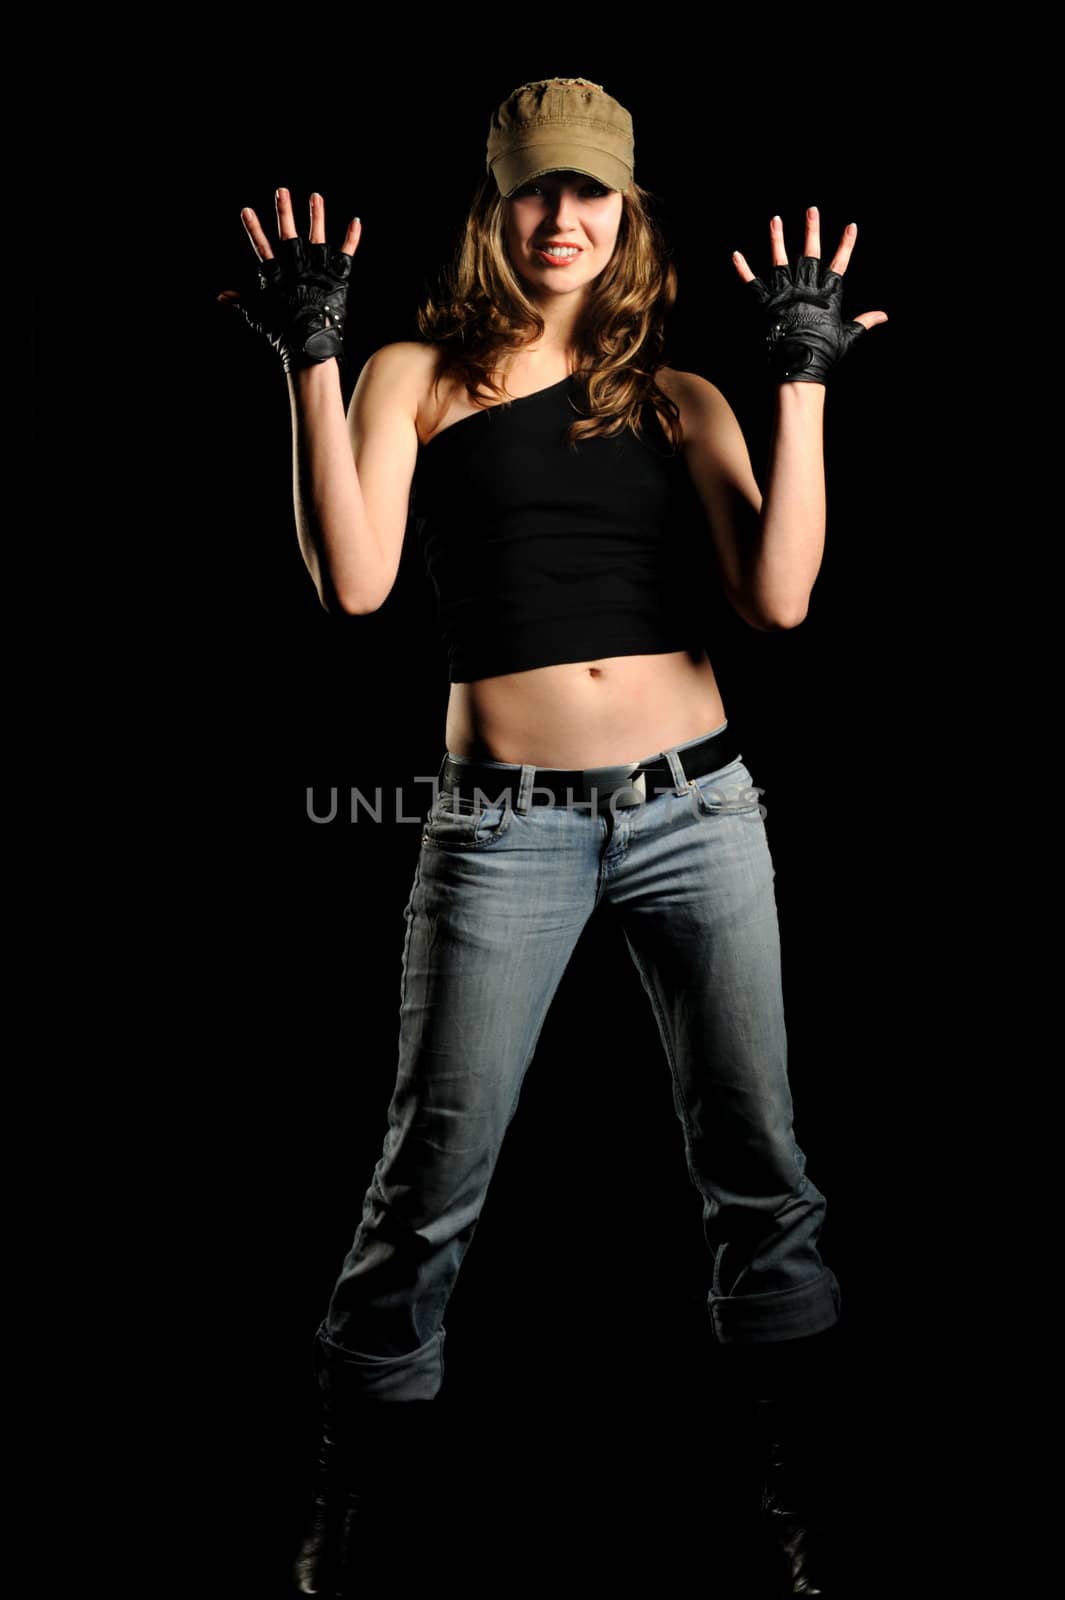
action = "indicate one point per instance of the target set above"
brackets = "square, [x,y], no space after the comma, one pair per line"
[374,1461]
[792,1497]
[786,1391]
[327,1563]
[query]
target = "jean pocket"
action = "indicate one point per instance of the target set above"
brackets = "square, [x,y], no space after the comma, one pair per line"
[463,822]
[730,791]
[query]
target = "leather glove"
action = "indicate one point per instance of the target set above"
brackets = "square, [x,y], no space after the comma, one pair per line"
[300,302]
[805,332]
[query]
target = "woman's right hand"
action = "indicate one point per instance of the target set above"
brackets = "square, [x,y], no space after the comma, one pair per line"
[299,300]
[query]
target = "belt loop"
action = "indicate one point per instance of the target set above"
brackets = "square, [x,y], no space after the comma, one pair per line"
[525,786]
[676,771]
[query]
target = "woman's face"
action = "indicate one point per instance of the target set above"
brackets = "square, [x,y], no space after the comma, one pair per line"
[567,209]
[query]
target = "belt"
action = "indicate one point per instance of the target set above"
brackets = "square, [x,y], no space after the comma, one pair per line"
[588,785]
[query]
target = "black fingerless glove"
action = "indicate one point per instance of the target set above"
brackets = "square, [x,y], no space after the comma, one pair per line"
[300,302]
[805,332]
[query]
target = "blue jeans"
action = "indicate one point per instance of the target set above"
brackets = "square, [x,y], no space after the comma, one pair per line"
[500,897]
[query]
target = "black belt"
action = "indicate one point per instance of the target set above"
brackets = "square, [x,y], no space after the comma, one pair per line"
[588,785]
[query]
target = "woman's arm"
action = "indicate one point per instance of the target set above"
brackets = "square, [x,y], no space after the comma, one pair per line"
[770,547]
[323,487]
[786,556]
[351,475]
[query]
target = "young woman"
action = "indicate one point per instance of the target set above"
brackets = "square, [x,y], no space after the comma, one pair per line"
[589,758]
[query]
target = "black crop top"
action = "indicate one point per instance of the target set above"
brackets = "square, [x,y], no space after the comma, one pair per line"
[540,553]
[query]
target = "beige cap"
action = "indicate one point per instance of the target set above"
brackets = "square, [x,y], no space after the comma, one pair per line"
[560,125]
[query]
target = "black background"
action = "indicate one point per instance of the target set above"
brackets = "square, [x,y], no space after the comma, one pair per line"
[585,1283]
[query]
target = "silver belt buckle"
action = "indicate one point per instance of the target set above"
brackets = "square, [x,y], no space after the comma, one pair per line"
[632,791]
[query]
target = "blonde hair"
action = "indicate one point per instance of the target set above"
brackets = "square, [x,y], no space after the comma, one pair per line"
[482,310]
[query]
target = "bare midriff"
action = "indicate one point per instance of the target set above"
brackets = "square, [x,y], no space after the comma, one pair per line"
[582,713]
[586,713]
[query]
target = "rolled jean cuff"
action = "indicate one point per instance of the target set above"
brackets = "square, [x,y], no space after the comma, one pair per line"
[783,1314]
[352,1375]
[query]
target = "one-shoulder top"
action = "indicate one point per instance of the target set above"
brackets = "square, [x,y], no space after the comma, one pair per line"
[541,552]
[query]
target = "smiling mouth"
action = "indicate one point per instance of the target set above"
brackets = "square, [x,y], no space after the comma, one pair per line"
[558,258]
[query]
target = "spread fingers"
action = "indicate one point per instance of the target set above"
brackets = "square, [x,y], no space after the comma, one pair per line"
[286,223]
[846,245]
[253,228]
[739,261]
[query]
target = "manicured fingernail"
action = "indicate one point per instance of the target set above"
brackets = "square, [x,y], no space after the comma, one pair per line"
[776,219]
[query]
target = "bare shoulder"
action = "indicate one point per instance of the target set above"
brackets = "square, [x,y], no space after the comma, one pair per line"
[699,401]
[403,376]
[680,385]
[396,373]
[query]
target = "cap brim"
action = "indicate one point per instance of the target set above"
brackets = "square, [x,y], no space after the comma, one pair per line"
[521,166]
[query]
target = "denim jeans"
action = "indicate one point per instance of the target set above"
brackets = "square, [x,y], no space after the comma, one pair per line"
[501,894]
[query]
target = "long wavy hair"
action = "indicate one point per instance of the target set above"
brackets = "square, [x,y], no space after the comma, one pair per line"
[481,310]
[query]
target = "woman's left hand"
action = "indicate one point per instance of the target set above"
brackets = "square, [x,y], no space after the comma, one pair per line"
[805,332]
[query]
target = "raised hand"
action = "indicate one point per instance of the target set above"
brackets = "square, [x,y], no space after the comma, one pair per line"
[805,332]
[299,302]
